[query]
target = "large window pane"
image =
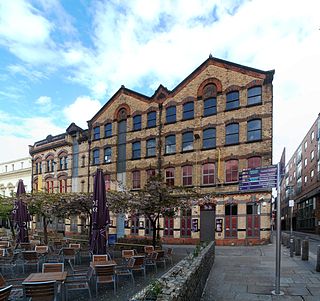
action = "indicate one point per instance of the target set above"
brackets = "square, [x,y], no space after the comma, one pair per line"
[152,119]
[170,144]
[254,130]
[151,147]
[137,122]
[232,100]
[136,150]
[209,106]
[188,110]
[209,138]
[108,130]
[254,95]
[232,133]
[232,171]
[171,114]
[187,141]
[107,155]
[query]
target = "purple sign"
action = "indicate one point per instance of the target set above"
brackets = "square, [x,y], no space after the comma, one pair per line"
[258,178]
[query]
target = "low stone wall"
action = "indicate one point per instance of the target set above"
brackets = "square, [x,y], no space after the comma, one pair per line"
[185,281]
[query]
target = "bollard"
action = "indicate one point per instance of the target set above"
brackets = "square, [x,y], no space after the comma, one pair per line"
[305,250]
[291,246]
[288,241]
[298,247]
[318,259]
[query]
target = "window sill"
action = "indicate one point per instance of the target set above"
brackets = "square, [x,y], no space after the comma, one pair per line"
[214,114]
[252,141]
[134,159]
[169,154]
[150,127]
[96,139]
[233,109]
[231,183]
[185,119]
[208,185]
[106,137]
[232,144]
[153,156]
[170,122]
[208,148]
[136,130]
[106,163]
[254,104]
[187,151]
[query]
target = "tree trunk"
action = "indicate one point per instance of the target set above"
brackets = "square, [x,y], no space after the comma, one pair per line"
[154,226]
[45,230]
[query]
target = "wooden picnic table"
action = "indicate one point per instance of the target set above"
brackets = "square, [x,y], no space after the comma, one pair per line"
[40,277]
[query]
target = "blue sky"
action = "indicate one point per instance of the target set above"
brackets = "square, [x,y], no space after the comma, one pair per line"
[60,61]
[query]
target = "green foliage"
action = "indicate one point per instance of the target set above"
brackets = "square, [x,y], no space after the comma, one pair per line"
[154,289]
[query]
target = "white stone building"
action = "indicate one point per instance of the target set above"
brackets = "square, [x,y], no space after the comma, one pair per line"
[11,172]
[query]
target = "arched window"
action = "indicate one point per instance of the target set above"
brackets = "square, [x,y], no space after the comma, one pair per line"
[188,110]
[254,162]
[232,171]
[255,95]
[209,100]
[254,130]
[232,100]
[232,133]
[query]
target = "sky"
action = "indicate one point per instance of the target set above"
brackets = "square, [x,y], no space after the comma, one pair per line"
[60,61]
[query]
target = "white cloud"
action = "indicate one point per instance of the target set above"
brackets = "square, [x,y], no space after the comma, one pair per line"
[81,110]
[44,100]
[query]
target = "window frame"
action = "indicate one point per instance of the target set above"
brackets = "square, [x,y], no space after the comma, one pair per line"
[231,174]
[229,135]
[95,159]
[254,130]
[251,99]
[136,179]
[168,146]
[251,160]
[107,155]
[187,141]
[230,101]
[205,139]
[170,178]
[149,148]
[174,116]
[152,122]
[108,130]
[187,111]
[186,175]
[206,109]
[208,171]
[137,122]
[136,151]
[96,133]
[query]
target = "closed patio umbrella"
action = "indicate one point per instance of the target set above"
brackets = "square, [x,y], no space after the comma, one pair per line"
[21,215]
[100,215]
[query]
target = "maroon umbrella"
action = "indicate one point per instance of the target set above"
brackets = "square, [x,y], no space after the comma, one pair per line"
[21,215]
[100,215]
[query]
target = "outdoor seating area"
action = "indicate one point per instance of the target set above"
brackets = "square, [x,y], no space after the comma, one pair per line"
[57,271]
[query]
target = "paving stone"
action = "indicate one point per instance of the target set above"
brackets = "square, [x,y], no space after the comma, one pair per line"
[315,291]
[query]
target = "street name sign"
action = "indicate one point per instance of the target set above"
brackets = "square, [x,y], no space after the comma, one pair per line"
[258,178]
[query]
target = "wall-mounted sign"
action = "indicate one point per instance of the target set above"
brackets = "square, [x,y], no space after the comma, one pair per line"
[291,203]
[194,225]
[219,222]
[258,178]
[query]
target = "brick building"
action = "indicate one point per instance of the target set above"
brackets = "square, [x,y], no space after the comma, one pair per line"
[302,184]
[212,125]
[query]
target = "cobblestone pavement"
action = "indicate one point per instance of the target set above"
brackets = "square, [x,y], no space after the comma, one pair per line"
[248,273]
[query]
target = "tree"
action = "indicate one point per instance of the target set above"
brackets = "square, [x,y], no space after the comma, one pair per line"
[6,206]
[156,199]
